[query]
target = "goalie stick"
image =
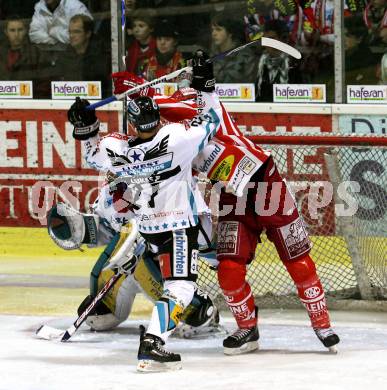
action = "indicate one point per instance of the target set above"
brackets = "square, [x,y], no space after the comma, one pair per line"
[268,42]
[49,333]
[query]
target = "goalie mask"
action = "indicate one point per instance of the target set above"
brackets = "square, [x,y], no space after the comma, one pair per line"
[144,114]
[70,229]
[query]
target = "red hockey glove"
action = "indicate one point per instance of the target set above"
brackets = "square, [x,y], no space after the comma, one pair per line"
[125,80]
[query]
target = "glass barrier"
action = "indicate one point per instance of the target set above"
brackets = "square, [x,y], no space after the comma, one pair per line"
[42,45]
[217,26]
[365,38]
[161,34]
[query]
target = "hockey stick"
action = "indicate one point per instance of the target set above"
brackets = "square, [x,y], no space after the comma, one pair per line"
[49,333]
[123,64]
[264,42]
[139,88]
[281,46]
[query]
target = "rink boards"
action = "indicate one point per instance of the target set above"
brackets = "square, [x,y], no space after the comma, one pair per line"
[36,277]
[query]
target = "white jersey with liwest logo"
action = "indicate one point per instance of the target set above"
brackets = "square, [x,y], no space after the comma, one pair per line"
[158,172]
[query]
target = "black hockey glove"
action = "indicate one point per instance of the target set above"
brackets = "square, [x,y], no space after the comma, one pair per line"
[85,122]
[202,72]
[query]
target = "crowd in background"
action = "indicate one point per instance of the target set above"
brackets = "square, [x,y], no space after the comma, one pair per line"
[70,40]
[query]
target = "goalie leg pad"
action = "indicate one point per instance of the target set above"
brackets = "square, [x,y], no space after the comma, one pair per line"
[148,276]
[125,298]
[102,322]
[100,264]
[99,319]
[237,292]
[309,288]
[117,305]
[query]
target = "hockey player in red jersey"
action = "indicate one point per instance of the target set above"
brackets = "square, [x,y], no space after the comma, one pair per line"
[254,198]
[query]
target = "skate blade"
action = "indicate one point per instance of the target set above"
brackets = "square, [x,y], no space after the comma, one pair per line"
[245,348]
[46,332]
[333,350]
[146,365]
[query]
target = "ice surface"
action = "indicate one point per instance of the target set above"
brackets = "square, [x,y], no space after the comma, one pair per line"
[290,357]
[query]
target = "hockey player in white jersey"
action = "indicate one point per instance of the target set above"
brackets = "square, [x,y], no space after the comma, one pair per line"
[71,229]
[156,168]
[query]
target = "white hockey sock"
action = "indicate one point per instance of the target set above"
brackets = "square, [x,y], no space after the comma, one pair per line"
[168,309]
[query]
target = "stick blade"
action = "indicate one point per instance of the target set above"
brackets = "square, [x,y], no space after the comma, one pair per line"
[46,332]
[65,336]
[281,46]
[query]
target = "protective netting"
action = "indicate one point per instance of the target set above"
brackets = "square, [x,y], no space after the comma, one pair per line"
[342,194]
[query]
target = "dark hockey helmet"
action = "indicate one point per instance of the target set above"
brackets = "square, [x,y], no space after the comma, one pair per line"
[144,114]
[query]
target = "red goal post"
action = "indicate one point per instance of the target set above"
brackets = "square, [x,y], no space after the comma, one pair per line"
[349,246]
[321,140]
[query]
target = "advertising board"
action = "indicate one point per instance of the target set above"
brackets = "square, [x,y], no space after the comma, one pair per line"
[37,148]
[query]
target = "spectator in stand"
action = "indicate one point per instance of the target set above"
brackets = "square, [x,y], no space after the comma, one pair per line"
[360,62]
[381,72]
[18,58]
[130,6]
[167,58]
[258,12]
[102,20]
[143,47]
[227,33]
[85,58]
[375,18]
[274,65]
[50,22]
[23,8]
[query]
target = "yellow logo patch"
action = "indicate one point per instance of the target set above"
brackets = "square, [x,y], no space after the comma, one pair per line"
[25,89]
[245,92]
[223,170]
[317,93]
[92,89]
[176,314]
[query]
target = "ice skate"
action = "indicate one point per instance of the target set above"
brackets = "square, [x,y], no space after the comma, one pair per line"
[152,357]
[241,341]
[328,337]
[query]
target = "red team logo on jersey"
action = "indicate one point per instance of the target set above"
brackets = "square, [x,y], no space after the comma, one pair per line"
[296,238]
[227,238]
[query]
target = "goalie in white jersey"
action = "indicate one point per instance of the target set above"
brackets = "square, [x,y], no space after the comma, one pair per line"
[155,168]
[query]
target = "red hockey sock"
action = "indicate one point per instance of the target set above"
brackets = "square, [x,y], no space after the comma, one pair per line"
[237,292]
[310,290]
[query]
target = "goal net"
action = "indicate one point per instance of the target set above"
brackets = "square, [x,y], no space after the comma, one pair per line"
[340,185]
